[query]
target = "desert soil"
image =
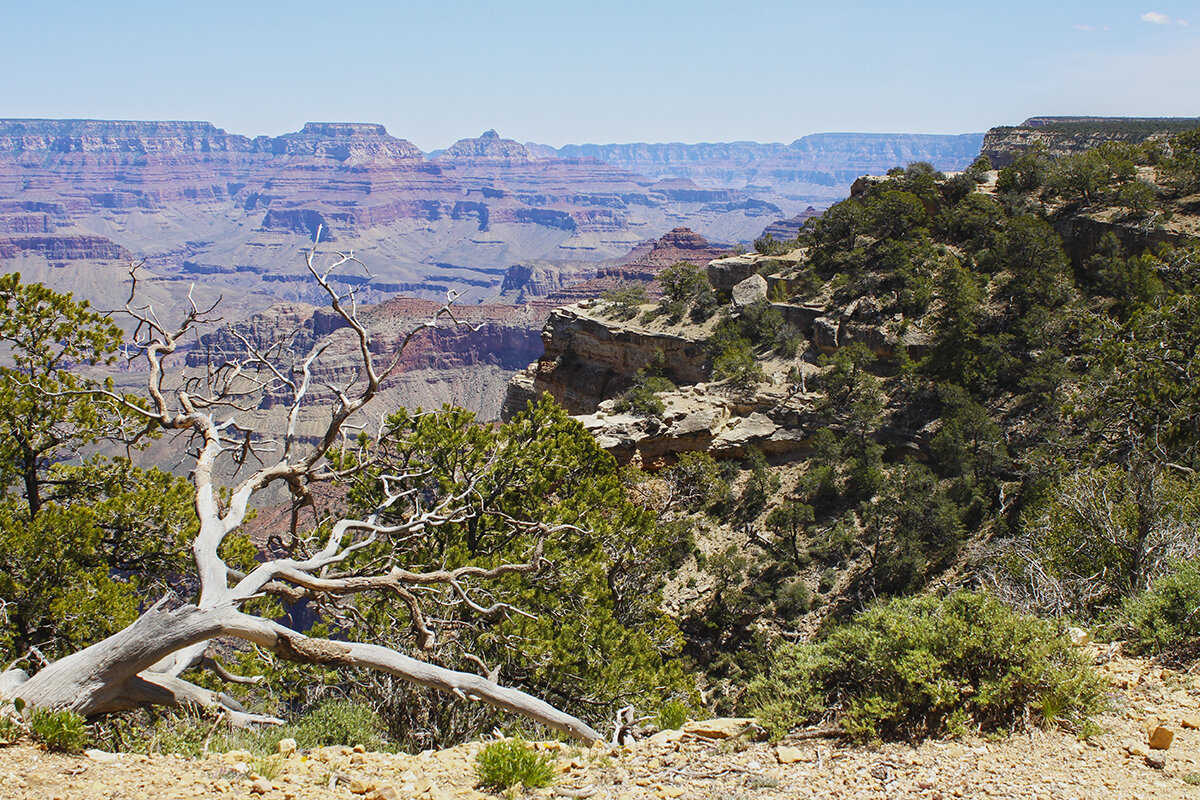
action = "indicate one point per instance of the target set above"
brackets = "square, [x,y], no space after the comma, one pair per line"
[1048,764]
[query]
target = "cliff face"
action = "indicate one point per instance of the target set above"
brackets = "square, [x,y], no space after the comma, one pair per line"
[1063,136]
[589,360]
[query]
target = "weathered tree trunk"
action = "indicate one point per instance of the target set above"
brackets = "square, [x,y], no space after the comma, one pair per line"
[112,675]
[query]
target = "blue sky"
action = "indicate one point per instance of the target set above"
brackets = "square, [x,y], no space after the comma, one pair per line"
[572,72]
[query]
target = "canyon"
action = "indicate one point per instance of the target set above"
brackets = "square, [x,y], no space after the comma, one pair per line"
[233,213]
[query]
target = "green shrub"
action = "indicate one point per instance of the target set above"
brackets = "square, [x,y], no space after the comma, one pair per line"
[686,286]
[738,365]
[1164,619]
[768,245]
[504,764]
[928,666]
[672,715]
[642,399]
[59,730]
[340,722]
[696,482]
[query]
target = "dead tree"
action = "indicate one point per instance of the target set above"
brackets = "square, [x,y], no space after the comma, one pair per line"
[142,664]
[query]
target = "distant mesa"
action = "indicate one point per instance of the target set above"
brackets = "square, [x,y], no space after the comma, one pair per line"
[786,229]
[357,143]
[488,147]
[814,169]
[344,129]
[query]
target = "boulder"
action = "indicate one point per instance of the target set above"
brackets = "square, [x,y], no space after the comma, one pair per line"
[1161,738]
[725,273]
[825,333]
[790,755]
[749,291]
[719,728]
[744,431]
[1137,749]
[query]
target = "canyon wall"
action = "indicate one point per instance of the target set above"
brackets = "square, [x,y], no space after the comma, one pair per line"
[1061,136]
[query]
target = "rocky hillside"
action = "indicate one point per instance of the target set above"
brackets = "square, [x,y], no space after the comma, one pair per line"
[870,408]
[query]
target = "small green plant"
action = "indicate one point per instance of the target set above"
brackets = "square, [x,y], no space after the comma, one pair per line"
[59,730]
[511,762]
[10,731]
[1089,728]
[672,715]
[268,767]
[762,782]
[624,302]
[1192,779]
[335,722]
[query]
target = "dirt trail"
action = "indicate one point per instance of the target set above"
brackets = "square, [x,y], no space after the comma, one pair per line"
[1045,764]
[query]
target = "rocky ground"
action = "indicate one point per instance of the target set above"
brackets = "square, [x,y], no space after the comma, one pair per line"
[706,760]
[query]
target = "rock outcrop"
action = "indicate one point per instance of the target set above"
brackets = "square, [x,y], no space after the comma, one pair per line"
[774,419]
[587,359]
